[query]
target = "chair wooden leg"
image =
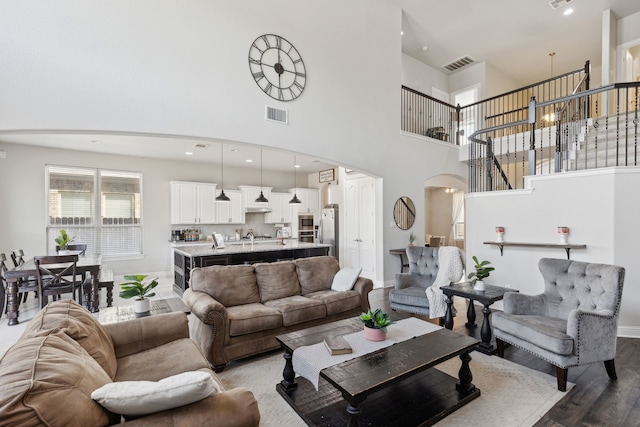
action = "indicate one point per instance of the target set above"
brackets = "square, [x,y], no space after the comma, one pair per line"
[561,374]
[500,347]
[441,321]
[610,366]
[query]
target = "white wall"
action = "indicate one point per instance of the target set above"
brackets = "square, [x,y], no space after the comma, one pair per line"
[595,206]
[421,77]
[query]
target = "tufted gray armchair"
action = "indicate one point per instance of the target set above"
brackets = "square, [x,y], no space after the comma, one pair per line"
[409,291]
[574,322]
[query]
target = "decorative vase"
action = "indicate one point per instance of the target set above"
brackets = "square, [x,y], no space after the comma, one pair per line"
[479,286]
[500,233]
[142,305]
[374,334]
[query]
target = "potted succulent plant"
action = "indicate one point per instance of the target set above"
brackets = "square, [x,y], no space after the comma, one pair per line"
[375,324]
[481,273]
[63,241]
[137,288]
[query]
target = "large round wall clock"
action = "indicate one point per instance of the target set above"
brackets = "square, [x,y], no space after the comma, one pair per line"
[277,67]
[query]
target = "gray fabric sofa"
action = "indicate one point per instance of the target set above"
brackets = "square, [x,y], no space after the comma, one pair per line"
[409,290]
[238,310]
[573,322]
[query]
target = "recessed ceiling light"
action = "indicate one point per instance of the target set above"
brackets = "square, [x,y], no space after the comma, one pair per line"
[234,150]
[567,11]
[249,161]
[188,153]
[402,33]
[95,141]
[296,166]
[424,48]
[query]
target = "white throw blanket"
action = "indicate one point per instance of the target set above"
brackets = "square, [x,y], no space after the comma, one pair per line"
[451,269]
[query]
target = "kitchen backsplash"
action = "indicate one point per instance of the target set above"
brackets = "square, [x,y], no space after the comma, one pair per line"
[253,221]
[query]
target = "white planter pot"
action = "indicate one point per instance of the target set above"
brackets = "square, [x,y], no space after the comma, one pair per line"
[479,286]
[142,305]
[61,252]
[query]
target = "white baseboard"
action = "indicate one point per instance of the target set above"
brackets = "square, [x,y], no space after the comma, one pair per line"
[629,331]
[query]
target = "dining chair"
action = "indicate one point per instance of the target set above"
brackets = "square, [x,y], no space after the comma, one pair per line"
[3,283]
[24,285]
[56,275]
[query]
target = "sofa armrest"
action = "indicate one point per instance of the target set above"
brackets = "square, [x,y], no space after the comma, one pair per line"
[363,286]
[517,303]
[136,335]
[209,327]
[232,408]
[594,333]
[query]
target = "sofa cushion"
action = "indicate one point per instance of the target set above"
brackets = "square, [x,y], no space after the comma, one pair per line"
[316,273]
[249,318]
[160,362]
[135,398]
[298,309]
[345,279]
[47,379]
[337,302]
[413,295]
[229,284]
[547,332]
[277,280]
[75,321]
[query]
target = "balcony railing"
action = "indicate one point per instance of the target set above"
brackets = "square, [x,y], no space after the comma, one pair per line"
[585,130]
[427,116]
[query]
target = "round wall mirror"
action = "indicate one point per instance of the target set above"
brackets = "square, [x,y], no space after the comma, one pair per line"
[404,213]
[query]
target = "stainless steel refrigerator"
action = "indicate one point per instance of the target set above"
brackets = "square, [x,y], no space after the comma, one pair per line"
[328,228]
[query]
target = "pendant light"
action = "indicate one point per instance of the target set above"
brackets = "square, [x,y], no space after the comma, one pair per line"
[261,198]
[294,200]
[222,197]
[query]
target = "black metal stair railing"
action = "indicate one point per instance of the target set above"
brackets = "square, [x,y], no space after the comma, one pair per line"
[585,130]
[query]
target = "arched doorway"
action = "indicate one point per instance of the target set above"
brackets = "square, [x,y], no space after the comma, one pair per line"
[444,210]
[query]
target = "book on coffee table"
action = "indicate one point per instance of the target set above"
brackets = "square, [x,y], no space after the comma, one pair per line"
[337,345]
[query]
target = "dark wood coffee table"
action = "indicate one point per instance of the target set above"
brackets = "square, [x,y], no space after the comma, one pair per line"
[393,386]
[487,297]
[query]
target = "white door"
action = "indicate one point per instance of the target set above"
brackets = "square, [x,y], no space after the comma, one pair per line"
[359,221]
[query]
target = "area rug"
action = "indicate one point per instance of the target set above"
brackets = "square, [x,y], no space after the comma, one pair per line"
[511,395]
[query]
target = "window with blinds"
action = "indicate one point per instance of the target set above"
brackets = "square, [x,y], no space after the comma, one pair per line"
[77,195]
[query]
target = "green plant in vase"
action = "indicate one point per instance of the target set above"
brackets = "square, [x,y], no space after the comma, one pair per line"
[412,238]
[482,271]
[375,324]
[63,240]
[137,288]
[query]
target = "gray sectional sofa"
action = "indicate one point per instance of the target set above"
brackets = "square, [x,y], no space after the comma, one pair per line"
[238,310]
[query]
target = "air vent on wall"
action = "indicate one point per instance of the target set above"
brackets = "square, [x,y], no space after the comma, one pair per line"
[198,145]
[273,114]
[459,63]
[555,4]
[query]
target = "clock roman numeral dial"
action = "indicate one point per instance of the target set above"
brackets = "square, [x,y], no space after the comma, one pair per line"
[277,67]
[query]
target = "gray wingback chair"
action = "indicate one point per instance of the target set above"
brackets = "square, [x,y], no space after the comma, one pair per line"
[574,322]
[409,291]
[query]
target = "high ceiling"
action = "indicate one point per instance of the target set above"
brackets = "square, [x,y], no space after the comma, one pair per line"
[512,36]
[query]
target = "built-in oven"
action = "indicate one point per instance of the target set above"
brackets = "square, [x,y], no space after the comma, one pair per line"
[305,228]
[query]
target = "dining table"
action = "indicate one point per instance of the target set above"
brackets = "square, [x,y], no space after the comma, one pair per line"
[89,263]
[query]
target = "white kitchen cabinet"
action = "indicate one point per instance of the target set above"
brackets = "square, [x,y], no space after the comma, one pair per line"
[281,210]
[192,202]
[231,212]
[249,195]
[310,198]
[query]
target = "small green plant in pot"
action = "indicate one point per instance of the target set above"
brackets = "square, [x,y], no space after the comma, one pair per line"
[137,288]
[63,241]
[481,273]
[375,324]
[412,238]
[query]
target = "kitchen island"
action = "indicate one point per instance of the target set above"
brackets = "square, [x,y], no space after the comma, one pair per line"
[186,258]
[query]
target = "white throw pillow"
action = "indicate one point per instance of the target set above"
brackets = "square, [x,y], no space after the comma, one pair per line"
[147,397]
[345,279]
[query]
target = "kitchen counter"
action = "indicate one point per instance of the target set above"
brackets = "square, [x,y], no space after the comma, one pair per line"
[247,247]
[189,257]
